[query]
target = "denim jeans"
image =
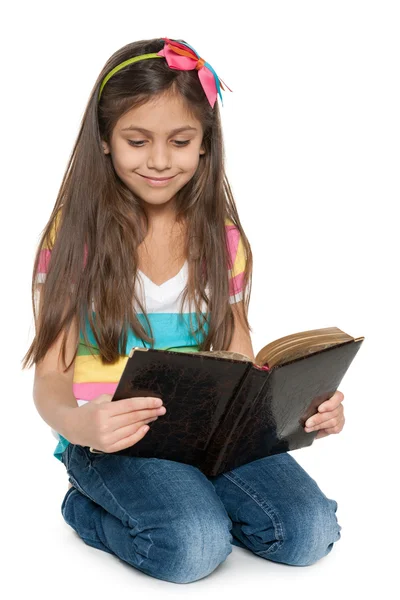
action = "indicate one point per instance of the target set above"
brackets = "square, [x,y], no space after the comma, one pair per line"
[172,522]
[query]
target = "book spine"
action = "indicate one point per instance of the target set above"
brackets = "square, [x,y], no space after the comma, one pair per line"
[226,434]
[250,398]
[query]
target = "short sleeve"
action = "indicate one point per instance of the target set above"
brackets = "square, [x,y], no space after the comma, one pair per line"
[237,262]
[45,251]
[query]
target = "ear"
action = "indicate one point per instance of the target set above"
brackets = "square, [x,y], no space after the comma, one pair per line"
[202,150]
[105,147]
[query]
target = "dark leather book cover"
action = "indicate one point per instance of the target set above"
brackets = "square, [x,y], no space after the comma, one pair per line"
[275,407]
[223,413]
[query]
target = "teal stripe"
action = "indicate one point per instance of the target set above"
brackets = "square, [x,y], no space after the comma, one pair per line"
[62,444]
[171,330]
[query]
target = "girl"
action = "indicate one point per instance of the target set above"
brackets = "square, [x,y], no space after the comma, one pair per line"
[145,212]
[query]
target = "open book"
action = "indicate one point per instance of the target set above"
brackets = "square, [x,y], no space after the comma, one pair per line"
[223,410]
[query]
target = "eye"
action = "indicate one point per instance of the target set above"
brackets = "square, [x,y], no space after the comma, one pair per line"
[136,144]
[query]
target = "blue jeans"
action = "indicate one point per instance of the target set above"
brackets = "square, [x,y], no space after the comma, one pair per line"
[172,522]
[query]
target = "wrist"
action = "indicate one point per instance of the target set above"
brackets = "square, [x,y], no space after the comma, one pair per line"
[67,427]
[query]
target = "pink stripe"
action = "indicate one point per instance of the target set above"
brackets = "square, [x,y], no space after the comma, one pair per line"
[44,258]
[89,391]
[236,284]
[233,235]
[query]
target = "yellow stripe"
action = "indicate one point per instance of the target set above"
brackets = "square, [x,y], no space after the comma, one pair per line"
[89,368]
[240,262]
[48,244]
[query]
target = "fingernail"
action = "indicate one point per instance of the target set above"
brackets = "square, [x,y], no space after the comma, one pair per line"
[309,423]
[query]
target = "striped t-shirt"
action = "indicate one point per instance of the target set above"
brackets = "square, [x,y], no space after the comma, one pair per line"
[170,330]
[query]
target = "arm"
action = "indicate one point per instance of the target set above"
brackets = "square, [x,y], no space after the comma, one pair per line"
[52,388]
[53,397]
[241,340]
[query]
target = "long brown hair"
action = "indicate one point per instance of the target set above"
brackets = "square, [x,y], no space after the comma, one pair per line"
[101,223]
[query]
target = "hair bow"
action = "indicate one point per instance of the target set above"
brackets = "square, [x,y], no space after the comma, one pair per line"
[183,57]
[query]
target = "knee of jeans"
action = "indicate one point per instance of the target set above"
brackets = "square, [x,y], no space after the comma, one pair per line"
[65,501]
[316,532]
[196,547]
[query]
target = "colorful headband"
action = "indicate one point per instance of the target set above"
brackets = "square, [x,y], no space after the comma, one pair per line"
[183,57]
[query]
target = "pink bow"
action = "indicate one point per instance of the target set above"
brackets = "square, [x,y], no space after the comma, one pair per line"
[183,57]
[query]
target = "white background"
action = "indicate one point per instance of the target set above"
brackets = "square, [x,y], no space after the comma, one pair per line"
[312,153]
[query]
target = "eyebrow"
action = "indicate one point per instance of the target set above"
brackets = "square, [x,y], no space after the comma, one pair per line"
[146,131]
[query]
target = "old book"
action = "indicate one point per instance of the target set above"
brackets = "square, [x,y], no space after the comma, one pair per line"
[224,410]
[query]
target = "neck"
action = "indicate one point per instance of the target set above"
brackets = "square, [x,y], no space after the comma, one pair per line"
[161,219]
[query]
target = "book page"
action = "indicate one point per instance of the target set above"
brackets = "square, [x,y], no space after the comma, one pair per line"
[226,354]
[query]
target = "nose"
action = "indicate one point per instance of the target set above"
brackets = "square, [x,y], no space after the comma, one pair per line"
[159,157]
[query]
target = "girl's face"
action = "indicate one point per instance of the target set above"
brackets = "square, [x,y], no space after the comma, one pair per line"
[156,150]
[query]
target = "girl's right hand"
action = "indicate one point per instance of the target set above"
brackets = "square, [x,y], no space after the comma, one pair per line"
[112,426]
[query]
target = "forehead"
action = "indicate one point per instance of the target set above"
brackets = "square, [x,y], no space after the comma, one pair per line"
[161,115]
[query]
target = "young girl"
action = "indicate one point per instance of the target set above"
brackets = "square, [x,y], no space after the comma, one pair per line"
[145,247]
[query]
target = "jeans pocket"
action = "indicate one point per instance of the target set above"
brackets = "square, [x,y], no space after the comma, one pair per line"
[94,457]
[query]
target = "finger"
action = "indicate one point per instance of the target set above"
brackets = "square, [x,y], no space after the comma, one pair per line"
[322,418]
[130,418]
[129,440]
[329,431]
[324,425]
[127,405]
[332,403]
[121,433]
[332,422]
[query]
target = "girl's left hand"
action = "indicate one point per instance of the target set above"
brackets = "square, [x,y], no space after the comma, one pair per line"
[330,417]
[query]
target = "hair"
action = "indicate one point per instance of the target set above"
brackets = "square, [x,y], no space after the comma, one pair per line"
[94,254]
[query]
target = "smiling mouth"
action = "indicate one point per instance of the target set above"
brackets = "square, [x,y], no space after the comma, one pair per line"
[157,178]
